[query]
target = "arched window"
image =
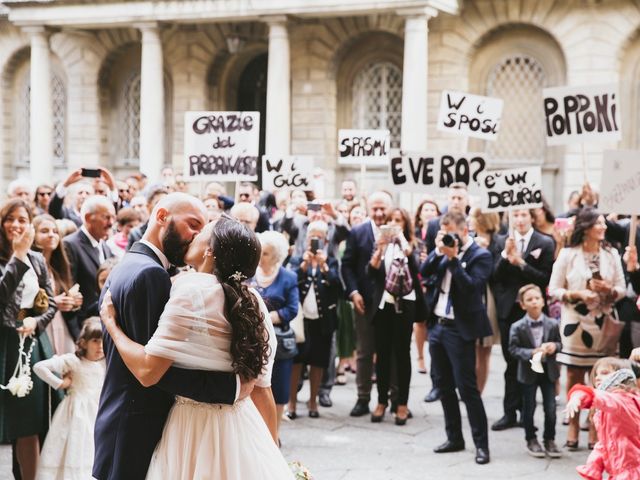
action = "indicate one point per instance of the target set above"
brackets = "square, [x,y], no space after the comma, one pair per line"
[23,113]
[518,80]
[130,120]
[376,99]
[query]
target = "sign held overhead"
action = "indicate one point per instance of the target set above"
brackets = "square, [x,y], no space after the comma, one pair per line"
[221,145]
[512,189]
[363,147]
[287,172]
[470,115]
[620,187]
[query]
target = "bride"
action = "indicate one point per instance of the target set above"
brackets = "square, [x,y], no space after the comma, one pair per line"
[212,321]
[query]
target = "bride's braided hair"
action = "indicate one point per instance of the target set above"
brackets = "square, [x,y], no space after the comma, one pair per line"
[237,253]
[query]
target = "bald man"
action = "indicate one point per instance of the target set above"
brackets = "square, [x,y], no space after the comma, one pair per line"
[130,417]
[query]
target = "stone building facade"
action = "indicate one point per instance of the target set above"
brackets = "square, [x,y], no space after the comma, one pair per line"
[107,82]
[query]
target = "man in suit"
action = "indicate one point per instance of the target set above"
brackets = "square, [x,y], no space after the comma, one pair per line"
[457,201]
[359,286]
[249,193]
[87,250]
[527,257]
[130,417]
[458,318]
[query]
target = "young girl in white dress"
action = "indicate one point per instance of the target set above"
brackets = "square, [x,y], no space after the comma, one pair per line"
[212,321]
[67,453]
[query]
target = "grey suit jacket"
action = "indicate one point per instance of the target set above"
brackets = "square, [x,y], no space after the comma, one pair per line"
[521,346]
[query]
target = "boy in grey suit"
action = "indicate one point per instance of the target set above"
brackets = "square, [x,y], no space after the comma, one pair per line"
[536,333]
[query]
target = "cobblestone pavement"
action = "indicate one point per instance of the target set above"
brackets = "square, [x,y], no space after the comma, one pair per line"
[339,447]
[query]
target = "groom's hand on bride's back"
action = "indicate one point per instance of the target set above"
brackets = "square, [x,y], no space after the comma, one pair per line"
[246,387]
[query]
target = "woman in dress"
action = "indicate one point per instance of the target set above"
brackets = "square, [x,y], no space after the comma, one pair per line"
[48,242]
[278,288]
[587,278]
[212,322]
[27,308]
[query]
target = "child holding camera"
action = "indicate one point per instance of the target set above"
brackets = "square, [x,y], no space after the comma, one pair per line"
[534,341]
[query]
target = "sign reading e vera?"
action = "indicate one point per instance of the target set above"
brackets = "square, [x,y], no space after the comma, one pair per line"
[221,145]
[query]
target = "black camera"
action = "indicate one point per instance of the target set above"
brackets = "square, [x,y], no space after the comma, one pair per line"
[449,240]
[316,244]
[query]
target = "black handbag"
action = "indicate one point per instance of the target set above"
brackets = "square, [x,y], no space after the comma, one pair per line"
[287,348]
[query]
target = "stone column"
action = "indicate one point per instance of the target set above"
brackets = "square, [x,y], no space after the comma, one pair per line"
[41,111]
[414,79]
[152,128]
[278,126]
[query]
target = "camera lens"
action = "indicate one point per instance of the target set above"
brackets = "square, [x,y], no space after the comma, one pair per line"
[448,240]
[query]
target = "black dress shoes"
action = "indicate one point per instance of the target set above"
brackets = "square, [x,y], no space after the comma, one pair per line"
[482,456]
[325,400]
[504,423]
[448,447]
[361,408]
[434,395]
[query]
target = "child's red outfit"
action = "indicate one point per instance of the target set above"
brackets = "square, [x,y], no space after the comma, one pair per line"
[617,421]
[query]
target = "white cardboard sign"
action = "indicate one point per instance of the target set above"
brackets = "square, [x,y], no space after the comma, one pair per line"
[470,115]
[287,172]
[581,114]
[221,145]
[431,173]
[512,189]
[620,187]
[368,147]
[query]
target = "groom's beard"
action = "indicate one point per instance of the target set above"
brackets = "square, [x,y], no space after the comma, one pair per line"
[173,246]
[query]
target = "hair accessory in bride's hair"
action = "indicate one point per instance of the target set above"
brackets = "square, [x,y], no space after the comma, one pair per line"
[238,276]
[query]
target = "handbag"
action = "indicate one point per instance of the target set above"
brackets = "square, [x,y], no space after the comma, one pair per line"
[298,325]
[398,281]
[610,335]
[40,302]
[287,348]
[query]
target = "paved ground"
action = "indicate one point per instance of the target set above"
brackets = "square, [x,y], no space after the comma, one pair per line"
[338,447]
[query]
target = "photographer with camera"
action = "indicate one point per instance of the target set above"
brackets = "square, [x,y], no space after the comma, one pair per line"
[458,318]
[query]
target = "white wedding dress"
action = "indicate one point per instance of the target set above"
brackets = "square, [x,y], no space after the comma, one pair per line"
[205,441]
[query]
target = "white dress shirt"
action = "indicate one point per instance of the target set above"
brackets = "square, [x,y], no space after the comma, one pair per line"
[97,244]
[445,286]
[310,306]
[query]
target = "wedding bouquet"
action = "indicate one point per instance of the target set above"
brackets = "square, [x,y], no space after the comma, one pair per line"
[300,472]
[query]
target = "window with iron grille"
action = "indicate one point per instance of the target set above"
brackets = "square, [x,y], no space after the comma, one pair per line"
[518,80]
[377,99]
[23,125]
[130,121]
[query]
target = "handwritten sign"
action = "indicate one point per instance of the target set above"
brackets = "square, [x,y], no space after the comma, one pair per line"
[287,172]
[221,145]
[620,187]
[430,173]
[512,189]
[470,115]
[580,114]
[368,147]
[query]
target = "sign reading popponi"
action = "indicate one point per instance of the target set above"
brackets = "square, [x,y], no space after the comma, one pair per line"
[470,115]
[620,187]
[221,145]
[512,189]
[363,147]
[287,172]
[581,114]
[430,173]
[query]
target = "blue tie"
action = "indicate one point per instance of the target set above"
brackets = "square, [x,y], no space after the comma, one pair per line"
[447,309]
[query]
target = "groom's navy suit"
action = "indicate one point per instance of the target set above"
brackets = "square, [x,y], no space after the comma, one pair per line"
[131,417]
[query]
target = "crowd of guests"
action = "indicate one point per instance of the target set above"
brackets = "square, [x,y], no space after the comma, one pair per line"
[348,284]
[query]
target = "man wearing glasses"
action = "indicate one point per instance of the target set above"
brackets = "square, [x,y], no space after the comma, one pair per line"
[42,198]
[248,193]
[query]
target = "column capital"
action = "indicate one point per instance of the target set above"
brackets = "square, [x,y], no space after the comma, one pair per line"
[426,12]
[37,30]
[147,26]
[275,19]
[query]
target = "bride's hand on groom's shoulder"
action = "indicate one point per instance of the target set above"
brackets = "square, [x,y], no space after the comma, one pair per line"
[107,311]
[246,387]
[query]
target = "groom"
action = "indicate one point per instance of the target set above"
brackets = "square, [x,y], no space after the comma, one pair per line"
[131,417]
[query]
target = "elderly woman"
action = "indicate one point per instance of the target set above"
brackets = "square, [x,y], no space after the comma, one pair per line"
[588,279]
[28,307]
[319,288]
[278,288]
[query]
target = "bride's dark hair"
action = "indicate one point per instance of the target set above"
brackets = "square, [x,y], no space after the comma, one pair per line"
[237,253]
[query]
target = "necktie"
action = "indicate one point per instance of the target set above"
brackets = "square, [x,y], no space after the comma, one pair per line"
[447,309]
[521,249]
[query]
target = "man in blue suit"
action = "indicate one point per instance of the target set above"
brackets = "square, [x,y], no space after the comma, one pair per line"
[131,417]
[458,318]
[359,287]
